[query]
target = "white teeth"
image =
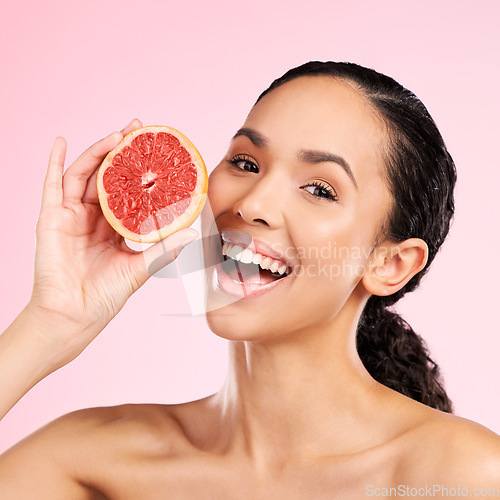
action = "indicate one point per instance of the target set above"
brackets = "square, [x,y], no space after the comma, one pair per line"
[234,251]
[247,256]
[257,258]
[266,263]
[274,267]
[282,269]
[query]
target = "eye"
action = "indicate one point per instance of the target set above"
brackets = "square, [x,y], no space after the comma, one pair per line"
[243,162]
[321,190]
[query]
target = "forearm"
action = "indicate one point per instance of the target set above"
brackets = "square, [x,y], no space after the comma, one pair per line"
[28,355]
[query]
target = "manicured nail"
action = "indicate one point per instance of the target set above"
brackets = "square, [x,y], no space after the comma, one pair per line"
[129,123]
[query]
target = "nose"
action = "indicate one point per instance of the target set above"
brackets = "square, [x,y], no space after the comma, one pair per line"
[262,203]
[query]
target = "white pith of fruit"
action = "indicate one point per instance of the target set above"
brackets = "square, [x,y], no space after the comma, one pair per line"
[247,256]
[148,179]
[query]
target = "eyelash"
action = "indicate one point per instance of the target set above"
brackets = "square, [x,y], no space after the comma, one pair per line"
[239,158]
[330,193]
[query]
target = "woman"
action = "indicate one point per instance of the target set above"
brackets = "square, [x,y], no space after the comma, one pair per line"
[316,402]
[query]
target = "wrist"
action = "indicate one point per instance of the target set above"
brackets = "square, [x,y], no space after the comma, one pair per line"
[37,343]
[49,339]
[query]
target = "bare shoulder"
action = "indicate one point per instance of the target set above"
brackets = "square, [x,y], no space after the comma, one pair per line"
[456,451]
[146,426]
[143,424]
[75,454]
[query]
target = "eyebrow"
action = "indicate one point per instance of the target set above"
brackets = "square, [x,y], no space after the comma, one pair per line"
[307,155]
[257,139]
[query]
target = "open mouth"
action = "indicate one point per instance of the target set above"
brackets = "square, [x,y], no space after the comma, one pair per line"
[245,266]
[240,272]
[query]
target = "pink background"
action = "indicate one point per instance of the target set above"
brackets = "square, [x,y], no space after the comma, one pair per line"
[84,69]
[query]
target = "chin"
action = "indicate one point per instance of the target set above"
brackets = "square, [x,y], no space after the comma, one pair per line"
[232,325]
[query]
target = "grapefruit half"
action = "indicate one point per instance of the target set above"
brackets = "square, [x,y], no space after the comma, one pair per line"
[152,184]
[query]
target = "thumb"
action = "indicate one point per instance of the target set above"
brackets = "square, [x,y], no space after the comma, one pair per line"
[162,253]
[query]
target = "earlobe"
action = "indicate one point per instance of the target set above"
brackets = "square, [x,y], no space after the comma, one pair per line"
[394,264]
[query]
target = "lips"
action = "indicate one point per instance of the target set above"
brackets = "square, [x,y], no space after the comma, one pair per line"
[245,240]
[242,280]
[244,290]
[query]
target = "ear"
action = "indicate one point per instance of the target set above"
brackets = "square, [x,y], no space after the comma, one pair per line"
[392,265]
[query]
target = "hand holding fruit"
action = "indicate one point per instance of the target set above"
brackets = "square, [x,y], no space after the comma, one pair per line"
[84,271]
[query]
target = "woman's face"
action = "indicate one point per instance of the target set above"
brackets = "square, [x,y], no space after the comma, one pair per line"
[305,178]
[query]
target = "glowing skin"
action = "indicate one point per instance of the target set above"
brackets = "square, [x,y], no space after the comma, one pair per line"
[275,205]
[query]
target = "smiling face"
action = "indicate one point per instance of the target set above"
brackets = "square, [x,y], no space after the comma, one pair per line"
[304,175]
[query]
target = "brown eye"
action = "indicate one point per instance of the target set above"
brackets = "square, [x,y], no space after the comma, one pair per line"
[321,190]
[243,163]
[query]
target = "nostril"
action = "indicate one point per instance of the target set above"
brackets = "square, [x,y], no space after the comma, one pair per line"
[248,215]
[261,220]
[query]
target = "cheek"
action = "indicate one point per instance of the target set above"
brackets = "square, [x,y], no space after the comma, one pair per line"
[221,190]
[336,252]
[216,191]
[325,232]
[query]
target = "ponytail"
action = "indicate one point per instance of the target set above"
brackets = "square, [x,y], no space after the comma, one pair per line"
[397,357]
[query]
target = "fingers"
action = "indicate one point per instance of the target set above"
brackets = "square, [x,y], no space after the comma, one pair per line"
[90,194]
[77,175]
[52,194]
[160,254]
[133,125]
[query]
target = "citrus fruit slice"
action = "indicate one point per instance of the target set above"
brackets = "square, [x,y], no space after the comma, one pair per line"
[152,184]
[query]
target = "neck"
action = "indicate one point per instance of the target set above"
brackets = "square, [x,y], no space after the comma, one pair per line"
[300,397]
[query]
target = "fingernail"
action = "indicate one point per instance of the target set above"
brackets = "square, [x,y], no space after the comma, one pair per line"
[129,123]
